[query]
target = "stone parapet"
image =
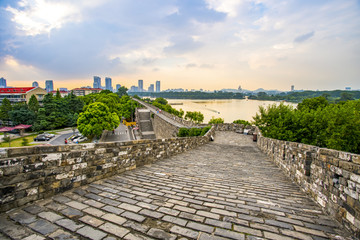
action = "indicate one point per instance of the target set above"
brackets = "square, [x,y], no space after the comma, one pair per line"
[32,173]
[330,177]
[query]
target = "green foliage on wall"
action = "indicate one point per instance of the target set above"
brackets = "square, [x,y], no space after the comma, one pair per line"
[192,132]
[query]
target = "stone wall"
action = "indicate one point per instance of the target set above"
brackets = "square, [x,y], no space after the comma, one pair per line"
[32,173]
[162,128]
[331,177]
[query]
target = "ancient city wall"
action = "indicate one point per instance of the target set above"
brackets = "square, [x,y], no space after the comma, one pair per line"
[162,128]
[331,177]
[32,173]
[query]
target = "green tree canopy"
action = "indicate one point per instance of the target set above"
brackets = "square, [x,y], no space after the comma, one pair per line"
[122,91]
[196,117]
[96,118]
[214,120]
[33,104]
[5,108]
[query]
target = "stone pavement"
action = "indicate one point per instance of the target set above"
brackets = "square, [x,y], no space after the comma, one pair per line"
[226,189]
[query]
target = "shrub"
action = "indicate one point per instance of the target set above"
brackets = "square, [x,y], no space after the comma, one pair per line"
[183,132]
[239,121]
[193,132]
[214,120]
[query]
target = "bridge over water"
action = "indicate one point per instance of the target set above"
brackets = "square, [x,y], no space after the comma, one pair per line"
[226,189]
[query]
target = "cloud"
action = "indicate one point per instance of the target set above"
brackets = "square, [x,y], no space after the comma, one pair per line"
[182,44]
[304,37]
[191,65]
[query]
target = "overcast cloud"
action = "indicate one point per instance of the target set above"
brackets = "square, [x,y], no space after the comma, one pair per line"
[209,44]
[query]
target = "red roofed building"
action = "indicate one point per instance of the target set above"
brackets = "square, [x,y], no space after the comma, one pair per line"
[85,91]
[22,94]
[62,93]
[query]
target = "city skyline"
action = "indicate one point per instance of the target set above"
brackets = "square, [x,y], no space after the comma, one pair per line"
[209,44]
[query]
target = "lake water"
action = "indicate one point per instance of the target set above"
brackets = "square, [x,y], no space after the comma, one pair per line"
[228,109]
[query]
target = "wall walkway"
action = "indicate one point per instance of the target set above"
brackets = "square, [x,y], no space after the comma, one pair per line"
[227,189]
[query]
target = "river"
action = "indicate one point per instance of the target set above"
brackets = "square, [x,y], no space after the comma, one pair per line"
[228,109]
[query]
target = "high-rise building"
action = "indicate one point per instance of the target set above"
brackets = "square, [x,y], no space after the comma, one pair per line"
[3,83]
[118,86]
[157,86]
[151,88]
[108,84]
[292,87]
[35,84]
[49,85]
[140,85]
[97,82]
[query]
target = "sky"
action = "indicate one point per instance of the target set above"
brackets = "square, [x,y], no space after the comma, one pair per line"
[190,44]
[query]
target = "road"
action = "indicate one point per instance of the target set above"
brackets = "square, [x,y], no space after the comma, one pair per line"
[121,134]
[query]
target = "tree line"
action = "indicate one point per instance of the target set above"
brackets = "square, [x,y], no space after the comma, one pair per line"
[314,121]
[191,95]
[92,113]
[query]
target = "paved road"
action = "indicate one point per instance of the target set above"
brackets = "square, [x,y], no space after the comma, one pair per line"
[120,134]
[223,190]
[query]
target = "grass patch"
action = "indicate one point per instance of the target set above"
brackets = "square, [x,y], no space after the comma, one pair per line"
[18,141]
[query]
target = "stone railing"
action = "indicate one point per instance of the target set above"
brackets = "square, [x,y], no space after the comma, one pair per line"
[331,177]
[32,173]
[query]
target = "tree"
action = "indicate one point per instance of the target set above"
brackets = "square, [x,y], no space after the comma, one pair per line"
[33,104]
[58,95]
[214,120]
[312,103]
[196,117]
[96,118]
[122,91]
[346,96]
[5,109]
[161,100]
[240,121]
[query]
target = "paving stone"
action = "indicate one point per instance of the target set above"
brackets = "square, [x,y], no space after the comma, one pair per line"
[61,199]
[114,229]
[175,220]
[50,216]
[184,209]
[133,216]
[126,200]
[218,223]
[275,236]
[147,205]
[200,227]
[135,236]
[43,227]
[160,234]
[264,227]
[56,206]
[93,196]
[62,235]
[110,202]
[151,214]
[184,231]
[229,234]
[91,233]
[168,211]
[114,218]
[91,221]
[71,212]
[77,205]
[214,205]
[136,226]
[114,210]
[223,212]
[13,230]
[290,220]
[22,217]
[33,237]
[205,236]
[69,224]
[192,217]
[34,209]
[94,203]
[310,231]
[130,207]
[94,211]
[295,234]
[247,230]
[208,214]
[250,218]
[279,224]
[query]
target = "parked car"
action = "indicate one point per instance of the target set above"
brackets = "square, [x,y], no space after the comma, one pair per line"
[82,139]
[41,137]
[49,135]
[76,136]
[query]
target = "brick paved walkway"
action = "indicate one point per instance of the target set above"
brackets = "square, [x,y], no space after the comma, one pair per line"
[223,190]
